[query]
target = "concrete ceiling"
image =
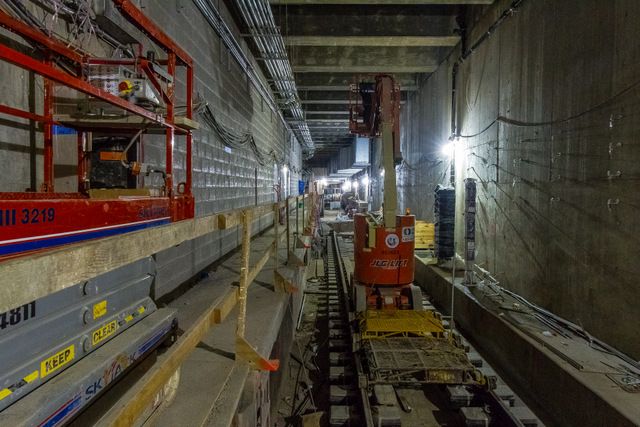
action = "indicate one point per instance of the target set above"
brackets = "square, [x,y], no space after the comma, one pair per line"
[330,42]
[381,2]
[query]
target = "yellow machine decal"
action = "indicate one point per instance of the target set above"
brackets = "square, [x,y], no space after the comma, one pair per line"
[57,361]
[424,235]
[104,332]
[31,377]
[99,309]
[26,380]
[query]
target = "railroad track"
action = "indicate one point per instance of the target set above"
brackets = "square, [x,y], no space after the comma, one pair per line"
[349,404]
[357,398]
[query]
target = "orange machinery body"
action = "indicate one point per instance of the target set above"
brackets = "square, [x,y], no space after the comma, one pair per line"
[384,261]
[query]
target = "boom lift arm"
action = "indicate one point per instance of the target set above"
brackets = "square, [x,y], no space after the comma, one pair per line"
[383,250]
[380,110]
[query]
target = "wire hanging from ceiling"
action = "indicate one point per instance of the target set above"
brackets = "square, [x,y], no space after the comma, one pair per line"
[78,15]
[238,141]
[521,123]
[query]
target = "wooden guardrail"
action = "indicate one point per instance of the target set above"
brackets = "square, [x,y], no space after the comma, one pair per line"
[149,385]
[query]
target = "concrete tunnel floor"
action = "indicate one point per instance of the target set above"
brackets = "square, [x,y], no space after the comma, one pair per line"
[214,389]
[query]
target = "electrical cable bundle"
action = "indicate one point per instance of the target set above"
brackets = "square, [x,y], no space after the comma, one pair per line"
[445,214]
[521,123]
[236,141]
[78,14]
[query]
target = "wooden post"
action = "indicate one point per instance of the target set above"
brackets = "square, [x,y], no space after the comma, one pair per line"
[244,350]
[297,220]
[288,227]
[311,212]
[276,228]
[309,220]
[244,272]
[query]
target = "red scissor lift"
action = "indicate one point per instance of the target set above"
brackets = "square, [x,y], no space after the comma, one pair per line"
[32,221]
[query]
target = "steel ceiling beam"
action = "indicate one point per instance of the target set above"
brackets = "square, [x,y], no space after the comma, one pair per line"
[374,41]
[328,113]
[382,2]
[338,120]
[346,79]
[344,88]
[365,69]
[330,101]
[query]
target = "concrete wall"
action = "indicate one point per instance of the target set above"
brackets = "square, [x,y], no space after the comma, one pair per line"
[545,224]
[223,178]
[424,130]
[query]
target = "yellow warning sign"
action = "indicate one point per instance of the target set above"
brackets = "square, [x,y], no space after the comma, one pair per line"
[57,361]
[104,332]
[99,309]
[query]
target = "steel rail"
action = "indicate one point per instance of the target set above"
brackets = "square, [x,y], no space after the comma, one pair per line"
[341,275]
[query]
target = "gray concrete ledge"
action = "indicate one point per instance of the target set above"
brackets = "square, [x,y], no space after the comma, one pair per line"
[560,394]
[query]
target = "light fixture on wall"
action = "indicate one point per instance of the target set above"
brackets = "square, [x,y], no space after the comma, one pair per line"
[346,186]
[323,182]
[285,181]
[448,150]
[382,173]
[354,184]
[365,180]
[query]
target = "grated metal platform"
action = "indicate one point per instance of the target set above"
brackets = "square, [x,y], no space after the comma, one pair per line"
[420,360]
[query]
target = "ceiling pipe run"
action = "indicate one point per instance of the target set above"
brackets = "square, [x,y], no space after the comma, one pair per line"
[213,17]
[259,18]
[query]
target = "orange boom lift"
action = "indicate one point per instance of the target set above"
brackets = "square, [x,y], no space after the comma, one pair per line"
[383,247]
